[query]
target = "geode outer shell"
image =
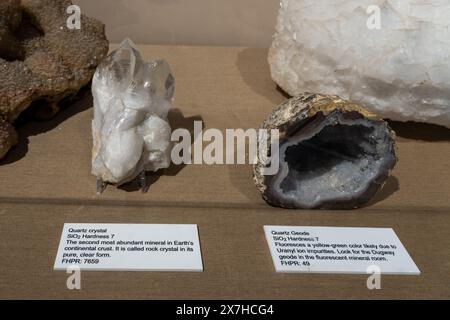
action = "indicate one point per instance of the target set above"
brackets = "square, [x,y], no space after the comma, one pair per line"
[333,154]
[41,59]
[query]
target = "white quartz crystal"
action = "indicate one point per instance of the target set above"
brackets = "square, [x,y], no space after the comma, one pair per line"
[400,71]
[132,99]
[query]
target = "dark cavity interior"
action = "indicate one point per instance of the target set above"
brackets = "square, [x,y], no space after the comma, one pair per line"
[323,152]
[337,163]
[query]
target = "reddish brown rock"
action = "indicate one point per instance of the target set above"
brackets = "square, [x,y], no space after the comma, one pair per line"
[42,60]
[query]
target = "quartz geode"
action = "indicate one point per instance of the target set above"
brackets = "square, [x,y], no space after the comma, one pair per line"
[333,154]
[400,71]
[41,60]
[132,99]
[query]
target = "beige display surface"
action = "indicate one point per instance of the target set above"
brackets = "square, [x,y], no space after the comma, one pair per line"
[46,182]
[187,22]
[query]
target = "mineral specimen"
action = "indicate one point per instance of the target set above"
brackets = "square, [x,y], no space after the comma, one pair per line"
[132,99]
[8,137]
[42,60]
[333,154]
[392,56]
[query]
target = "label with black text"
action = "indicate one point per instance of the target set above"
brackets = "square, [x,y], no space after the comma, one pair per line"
[130,247]
[338,250]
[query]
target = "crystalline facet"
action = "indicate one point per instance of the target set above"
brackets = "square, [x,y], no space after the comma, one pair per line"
[399,71]
[132,99]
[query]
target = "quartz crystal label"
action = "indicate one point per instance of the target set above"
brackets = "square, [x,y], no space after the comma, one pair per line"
[338,250]
[130,247]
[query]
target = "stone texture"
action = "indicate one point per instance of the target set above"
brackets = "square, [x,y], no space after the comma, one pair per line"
[333,154]
[401,71]
[8,137]
[132,99]
[42,60]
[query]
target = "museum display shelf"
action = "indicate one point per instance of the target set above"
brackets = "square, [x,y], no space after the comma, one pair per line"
[46,181]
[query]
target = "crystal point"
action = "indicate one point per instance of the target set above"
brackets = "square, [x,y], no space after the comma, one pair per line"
[132,99]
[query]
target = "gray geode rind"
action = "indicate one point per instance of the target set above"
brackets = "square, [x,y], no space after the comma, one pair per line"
[357,140]
[42,60]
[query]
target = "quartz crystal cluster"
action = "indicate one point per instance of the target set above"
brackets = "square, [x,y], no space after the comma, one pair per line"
[391,56]
[132,99]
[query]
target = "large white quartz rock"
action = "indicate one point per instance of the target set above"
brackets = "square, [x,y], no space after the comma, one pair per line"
[401,71]
[132,99]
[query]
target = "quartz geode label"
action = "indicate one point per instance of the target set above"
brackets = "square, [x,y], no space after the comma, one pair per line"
[338,250]
[132,99]
[400,70]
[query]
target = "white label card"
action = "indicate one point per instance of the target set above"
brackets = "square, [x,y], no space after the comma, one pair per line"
[130,247]
[338,250]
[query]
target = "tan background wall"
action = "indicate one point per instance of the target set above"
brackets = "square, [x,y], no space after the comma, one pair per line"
[190,22]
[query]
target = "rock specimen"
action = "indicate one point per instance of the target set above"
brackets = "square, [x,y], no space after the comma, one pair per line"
[8,137]
[42,60]
[333,154]
[131,132]
[400,71]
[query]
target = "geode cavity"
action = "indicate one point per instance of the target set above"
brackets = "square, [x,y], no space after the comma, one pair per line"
[42,60]
[333,154]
